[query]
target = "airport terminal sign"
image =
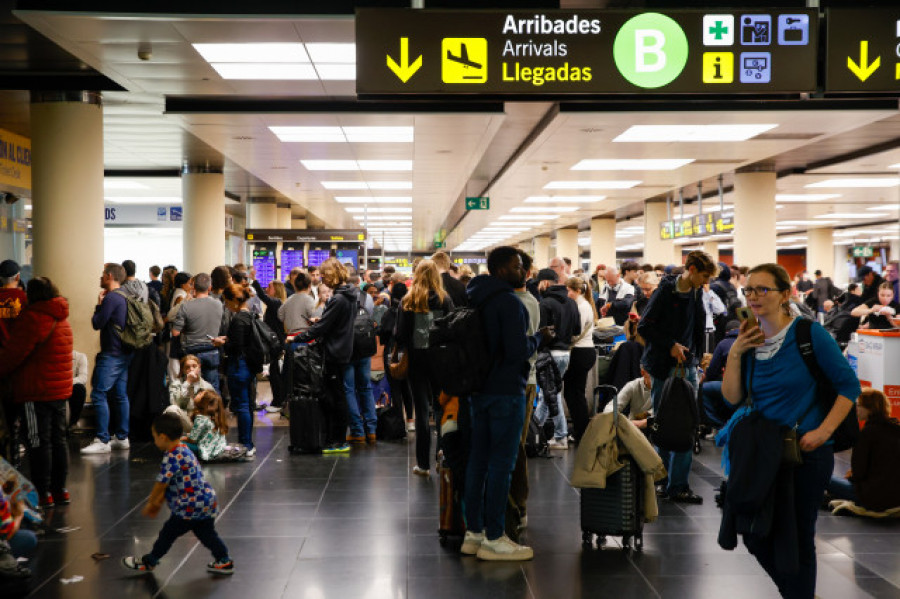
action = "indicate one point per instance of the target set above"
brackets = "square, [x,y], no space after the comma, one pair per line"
[711,223]
[406,51]
[863,50]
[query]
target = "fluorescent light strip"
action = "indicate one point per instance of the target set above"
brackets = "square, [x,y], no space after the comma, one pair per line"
[373,200]
[524,217]
[265,71]
[353,165]
[344,134]
[565,199]
[871,182]
[122,184]
[805,197]
[803,223]
[253,53]
[398,217]
[631,164]
[850,216]
[691,133]
[379,185]
[332,53]
[378,209]
[544,209]
[144,200]
[591,184]
[884,207]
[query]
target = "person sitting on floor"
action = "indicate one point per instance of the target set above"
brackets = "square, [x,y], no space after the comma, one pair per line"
[182,392]
[210,425]
[634,401]
[872,480]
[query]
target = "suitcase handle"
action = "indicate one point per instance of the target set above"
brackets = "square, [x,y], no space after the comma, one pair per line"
[615,400]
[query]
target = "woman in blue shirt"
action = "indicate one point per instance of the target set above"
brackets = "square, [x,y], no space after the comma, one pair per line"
[784,391]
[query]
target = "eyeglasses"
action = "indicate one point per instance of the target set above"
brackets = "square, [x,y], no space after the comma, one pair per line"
[760,291]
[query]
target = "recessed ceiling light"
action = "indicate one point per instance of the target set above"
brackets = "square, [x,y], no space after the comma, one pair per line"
[396,217]
[379,185]
[849,216]
[521,223]
[692,133]
[373,200]
[352,165]
[544,209]
[144,200]
[631,164]
[335,53]
[344,134]
[857,182]
[122,184]
[253,53]
[379,134]
[897,166]
[803,223]
[309,134]
[390,185]
[884,207]
[591,184]
[805,197]
[524,217]
[378,209]
[385,165]
[566,199]
[265,71]
[345,185]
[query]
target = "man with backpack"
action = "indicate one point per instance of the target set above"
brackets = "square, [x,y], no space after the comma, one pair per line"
[498,408]
[111,368]
[673,325]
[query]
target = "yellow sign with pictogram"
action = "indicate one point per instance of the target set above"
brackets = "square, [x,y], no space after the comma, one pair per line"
[718,67]
[464,60]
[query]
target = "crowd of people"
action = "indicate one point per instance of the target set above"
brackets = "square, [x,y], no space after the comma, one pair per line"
[686,320]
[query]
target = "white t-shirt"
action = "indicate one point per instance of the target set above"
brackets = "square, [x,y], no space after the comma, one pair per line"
[586,319]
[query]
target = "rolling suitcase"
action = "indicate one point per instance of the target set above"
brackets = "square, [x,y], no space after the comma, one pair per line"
[304,381]
[618,509]
[307,425]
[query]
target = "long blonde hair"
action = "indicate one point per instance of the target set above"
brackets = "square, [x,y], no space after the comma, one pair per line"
[425,280]
[580,286]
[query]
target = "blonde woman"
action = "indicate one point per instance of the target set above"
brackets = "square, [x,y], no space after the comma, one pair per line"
[582,357]
[425,301]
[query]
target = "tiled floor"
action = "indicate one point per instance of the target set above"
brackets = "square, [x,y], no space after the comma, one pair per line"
[361,527]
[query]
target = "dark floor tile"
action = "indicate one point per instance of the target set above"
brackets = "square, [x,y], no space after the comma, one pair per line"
[354,546]
[493,580]
[715,586]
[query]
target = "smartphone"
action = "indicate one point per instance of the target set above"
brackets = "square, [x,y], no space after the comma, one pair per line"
[210,337]
[745,313]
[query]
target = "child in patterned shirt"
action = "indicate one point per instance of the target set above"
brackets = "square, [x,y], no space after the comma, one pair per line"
[190,498]
[207,436]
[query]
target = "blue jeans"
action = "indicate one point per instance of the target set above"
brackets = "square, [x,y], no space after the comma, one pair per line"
[561,429]
[239,380]
[718,411]
[23,543]
[360,402]
[810,480]
[209,368]
[497,422]
[111,374]
[204,530]
[678,463]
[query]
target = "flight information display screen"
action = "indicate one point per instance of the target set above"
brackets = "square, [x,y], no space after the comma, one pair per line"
[264,263]
[317,257]
[348,256]
[290,259]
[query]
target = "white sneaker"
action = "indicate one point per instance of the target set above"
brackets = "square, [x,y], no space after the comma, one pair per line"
[472,543]
[251,453]
[116,443]
[424,472]
[96,446]
[410,426]
[558,444]
[272,409]
[504,550]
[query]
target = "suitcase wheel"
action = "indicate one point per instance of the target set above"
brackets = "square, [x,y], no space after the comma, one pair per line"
[587,539]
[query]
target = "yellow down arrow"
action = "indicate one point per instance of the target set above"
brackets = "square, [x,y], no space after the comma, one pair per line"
[863,70]
[404,70]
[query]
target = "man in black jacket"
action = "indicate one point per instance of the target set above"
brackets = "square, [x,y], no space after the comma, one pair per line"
[561,312]
[673,325]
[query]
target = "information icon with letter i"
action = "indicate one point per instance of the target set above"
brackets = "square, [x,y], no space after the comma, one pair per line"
[718,67]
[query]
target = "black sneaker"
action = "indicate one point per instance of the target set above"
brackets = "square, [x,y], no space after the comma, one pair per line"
[133,562]
[221,566]
[686,496]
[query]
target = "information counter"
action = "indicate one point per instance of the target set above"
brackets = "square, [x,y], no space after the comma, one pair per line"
[875,355]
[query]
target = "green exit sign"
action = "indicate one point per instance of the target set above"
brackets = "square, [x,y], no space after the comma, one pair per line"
[478,203]
[862,252]
[439,244]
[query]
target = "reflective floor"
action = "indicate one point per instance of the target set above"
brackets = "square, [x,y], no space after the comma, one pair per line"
[361,527]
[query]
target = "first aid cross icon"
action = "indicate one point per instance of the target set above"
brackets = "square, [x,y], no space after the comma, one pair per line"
[718,30]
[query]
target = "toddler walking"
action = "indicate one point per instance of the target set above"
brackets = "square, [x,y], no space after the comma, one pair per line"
[190,498]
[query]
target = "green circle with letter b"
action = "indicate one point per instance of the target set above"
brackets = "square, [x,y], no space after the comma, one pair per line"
[650,50]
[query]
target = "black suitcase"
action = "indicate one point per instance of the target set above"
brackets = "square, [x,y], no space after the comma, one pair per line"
[617,510]
[307,425]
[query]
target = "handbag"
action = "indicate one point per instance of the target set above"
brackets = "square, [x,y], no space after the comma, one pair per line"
[399,364]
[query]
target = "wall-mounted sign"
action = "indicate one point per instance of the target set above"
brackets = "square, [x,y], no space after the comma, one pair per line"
[861,251]
[15,161]
[334,235]
[406,51]
[863,52]
[710,223]
[478,203]
[124,215]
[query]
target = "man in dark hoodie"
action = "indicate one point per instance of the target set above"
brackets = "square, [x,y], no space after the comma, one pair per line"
[674,326]
[498,410]
[561,312]
[335,330]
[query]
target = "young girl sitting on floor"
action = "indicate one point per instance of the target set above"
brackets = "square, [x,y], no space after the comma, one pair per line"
[207,436]
[183,392]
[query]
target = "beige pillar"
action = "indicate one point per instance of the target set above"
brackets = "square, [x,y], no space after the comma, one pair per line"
[841,276]
[262,213]
[567,246]
[711,247]
[820,251]
[298,223]
[754,218]
[541,252]
[656,250]
[204,218]
[603,241]
[67,200]
[283,211]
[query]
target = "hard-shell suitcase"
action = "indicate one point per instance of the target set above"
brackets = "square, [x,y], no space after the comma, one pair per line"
[307,425]
[304,382]
[618,509]
[451,516]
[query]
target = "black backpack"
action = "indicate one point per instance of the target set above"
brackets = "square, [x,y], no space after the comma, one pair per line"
[365,344]
[263,347]
[847,432]
[458,350]
[729,297]
[549,380]
[537,439]
[676,420]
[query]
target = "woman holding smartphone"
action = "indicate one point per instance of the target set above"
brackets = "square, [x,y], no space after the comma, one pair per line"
[766,359]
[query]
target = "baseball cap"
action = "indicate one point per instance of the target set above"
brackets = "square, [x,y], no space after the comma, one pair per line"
[9,268]
[547,274]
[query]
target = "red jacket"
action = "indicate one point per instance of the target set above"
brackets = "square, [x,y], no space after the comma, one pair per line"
[39,355]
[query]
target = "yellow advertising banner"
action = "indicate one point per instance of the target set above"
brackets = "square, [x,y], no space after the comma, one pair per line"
[15,160]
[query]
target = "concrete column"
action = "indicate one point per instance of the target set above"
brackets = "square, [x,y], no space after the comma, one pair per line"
[754,218]
[656,250]
[262,213]
[204,218]
[567,246]
[283,215]
[603,241]
[711,247]
[841,276]
[298,223]
[820,251]
[541,253]
[67,200]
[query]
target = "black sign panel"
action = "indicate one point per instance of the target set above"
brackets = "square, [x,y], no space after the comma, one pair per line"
[863,50]
[406,51]
[302,235]
[711,223]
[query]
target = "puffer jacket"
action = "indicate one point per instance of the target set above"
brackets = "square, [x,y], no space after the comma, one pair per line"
[39,355]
